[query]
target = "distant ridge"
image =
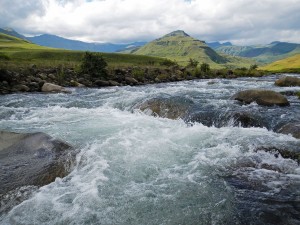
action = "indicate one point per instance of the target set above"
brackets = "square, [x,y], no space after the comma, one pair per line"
[53,41]
[263,53]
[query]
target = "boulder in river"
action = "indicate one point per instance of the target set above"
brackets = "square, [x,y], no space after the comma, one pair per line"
[288,81]
[32,159]
[53,88]
[171,108]
[261,97]
[291,128]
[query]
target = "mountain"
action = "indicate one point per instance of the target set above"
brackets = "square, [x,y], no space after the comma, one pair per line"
[12,32]
[263,53]
[215,45]
[289,63]
[59,42]
[181,47]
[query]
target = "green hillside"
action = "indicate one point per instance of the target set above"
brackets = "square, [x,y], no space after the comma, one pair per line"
[288,64]
[180,47]
[16,52]
[264,53]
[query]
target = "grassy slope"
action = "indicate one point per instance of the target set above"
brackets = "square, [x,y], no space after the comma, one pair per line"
[290,63]
[18,52]
[263,54]
[181,48]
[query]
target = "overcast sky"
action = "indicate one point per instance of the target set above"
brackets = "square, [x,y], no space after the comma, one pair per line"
[121,21]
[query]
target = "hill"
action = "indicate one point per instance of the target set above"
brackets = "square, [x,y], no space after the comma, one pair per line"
[215,45]
[17,52]
[181,47]
[263,53]
[59,42]
[12,32]
[288,64]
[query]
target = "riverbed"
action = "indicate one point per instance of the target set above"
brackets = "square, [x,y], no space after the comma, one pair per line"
[134,168]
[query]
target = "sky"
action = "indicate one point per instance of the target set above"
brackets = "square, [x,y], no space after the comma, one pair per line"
[243,22]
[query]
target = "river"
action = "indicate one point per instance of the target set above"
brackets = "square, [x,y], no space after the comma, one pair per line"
[133,168]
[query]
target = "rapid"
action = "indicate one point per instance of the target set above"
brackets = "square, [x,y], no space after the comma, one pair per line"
[133,168]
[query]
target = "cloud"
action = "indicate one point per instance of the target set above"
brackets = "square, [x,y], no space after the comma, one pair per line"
[240,21]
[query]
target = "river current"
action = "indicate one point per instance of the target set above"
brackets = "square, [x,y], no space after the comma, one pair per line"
[133,168]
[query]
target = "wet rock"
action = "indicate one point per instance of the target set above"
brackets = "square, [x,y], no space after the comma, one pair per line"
[261,97]
[291,128]
[245,119]
[171,108]
[53,88]
[32,159]
[288,81]
[288,153]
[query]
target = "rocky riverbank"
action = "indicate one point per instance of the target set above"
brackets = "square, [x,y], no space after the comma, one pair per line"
[32,79]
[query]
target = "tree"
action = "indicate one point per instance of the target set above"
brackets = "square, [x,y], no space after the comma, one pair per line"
[205,67]
[193,63]
[253,67]
[94,65]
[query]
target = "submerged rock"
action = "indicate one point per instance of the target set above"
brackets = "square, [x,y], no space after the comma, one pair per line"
[171,108]
[288,82]
[291,128]
[53,88]
[32,159]
[261,97]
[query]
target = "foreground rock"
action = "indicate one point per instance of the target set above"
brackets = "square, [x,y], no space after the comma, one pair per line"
[261,97]
[288,82]
[53,88]
[291,128]
[171,108]
[32,159]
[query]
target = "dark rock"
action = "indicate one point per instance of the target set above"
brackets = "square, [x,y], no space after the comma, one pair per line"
[261,97]
[22,88]
[32,159]
[291,128]
[102,83]
[288,82]
[244,119]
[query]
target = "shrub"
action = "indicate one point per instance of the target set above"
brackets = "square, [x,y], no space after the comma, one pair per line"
[168,63]
[94,65]
[205,68]
[193,63]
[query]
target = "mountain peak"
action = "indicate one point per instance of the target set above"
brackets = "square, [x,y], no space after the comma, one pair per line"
[180,33]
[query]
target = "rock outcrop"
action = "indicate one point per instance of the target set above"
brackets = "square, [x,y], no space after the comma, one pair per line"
[288,81]
[261,97]
[32,159]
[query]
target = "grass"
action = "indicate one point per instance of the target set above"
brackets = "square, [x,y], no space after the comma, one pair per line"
[290,64]
[15,52]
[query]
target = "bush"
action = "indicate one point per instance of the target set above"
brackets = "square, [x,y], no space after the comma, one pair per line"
[253,67]
[168,63]
[205,68]
[94,65]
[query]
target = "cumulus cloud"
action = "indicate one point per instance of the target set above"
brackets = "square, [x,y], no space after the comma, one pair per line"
[240,21]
